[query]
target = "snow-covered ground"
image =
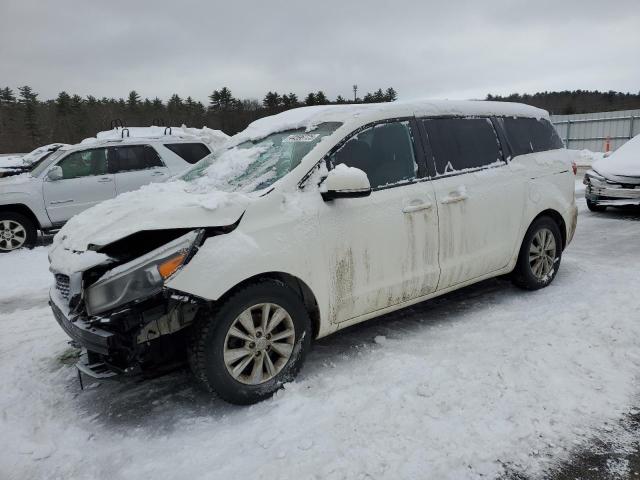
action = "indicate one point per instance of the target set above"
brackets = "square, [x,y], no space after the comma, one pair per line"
[485,379]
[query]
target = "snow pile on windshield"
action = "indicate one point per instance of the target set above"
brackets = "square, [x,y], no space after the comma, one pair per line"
[624,162]
[200,202]
[214,138]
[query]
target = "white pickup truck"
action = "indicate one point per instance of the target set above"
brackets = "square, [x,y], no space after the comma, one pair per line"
[76,177]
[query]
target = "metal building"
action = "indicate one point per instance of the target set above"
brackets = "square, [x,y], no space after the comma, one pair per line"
[592,130]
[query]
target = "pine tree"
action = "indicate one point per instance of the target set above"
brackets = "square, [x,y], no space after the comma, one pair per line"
[341,100]
[222,100]
[321,98]
[378,96]
[311,99]
[133,102]
[29,100]
[7,96]
[271,100]
[390,95]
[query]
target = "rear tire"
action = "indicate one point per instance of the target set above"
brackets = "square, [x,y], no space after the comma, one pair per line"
[16,232]
[539,257]
[251,344]
[594,207]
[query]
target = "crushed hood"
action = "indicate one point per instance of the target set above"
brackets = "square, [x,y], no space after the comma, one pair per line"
[155,207]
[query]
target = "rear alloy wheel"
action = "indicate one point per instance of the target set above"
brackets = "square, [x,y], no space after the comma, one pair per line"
[539,257]
[252,343]
[16,231]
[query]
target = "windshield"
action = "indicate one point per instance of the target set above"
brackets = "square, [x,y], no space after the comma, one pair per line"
[255,165]
[42,164]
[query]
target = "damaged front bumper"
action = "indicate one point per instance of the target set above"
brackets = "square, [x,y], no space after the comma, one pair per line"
[601,191]
[144,338]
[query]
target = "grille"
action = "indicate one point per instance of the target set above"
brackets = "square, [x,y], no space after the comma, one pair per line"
[62,285]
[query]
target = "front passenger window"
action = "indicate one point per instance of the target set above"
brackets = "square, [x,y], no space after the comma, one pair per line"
[384,152]
[84,164]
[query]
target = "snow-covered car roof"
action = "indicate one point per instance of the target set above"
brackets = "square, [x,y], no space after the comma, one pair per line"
[308,117]
[135,135]
[624,162]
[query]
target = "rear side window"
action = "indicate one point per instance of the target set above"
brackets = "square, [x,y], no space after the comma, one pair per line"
[384,152]
[462,143]
[530,135]
[189,152]
[134,157]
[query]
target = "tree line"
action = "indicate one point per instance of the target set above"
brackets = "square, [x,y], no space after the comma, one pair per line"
[27,122]
[575,101]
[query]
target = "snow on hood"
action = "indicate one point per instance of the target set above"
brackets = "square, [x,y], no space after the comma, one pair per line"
[214,138]
[624,162]
[156,206]
[29,158]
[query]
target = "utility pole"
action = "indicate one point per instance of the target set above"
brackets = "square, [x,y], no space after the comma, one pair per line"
[355,93]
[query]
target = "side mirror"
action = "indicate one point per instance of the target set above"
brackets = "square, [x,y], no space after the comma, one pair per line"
[55,173]
[345,182]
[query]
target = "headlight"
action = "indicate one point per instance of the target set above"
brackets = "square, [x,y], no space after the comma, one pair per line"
[591,175]
[140,278]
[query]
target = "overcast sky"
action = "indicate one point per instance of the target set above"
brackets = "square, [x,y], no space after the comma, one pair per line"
[443,49]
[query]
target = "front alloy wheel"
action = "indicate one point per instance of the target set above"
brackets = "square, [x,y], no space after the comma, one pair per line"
[248,345]
[259,343]
[16,231]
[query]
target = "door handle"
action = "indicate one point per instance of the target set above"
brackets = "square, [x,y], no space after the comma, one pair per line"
[157,174]
[416,207]
[105,180]
[58,202]
[454,197]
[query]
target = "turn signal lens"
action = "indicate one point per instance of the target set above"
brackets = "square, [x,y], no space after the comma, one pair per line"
[574,167]
[168,267]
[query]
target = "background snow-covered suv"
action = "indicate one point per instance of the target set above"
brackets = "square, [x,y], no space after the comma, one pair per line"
[310,221]
[74,178]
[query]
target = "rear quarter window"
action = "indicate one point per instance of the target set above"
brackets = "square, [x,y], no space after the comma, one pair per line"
[530,135]
[189,152]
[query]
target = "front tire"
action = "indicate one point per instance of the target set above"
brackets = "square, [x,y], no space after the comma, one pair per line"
[539,257]
[16,232]
[252,344]
[594,207]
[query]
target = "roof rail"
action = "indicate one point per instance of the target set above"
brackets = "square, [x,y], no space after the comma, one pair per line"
[115,123]
[165,130]
[122,134]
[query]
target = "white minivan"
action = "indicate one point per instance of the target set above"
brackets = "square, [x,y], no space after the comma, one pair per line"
[308,222]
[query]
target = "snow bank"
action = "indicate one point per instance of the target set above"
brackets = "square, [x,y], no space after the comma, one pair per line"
[26,274]
[459,388]
[214,138]
[586,158]
[624,162]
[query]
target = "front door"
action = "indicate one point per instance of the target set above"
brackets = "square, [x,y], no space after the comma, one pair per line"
[84,183]
[381,250]
[480,199]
